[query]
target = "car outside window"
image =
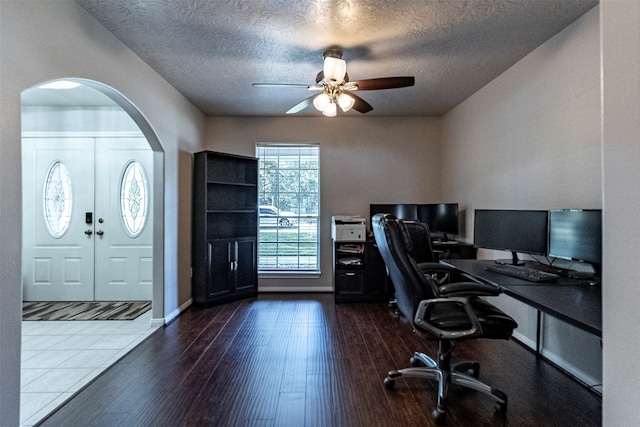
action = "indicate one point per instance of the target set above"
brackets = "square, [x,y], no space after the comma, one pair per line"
[289,206]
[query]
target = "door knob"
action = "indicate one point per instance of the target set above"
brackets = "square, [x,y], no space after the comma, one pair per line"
[99,232]
[88,232]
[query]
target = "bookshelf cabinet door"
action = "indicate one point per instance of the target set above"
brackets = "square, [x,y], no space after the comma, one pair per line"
[219,279]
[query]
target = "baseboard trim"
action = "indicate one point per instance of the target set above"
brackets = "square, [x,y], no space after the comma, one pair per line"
[524,340]
[175,313]
[157,322]
[308,289]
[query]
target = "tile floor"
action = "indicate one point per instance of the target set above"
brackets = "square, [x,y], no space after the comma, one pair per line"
[61,357]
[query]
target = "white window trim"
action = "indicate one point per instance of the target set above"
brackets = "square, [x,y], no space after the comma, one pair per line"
[302,274]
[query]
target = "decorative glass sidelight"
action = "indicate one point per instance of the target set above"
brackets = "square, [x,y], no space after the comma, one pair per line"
[134,199]
[58,199]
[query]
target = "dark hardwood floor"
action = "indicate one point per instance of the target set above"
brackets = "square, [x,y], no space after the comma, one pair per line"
[300,360]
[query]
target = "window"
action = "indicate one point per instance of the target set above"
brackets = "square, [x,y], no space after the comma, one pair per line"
[133,198]
[58,200]
[289,204]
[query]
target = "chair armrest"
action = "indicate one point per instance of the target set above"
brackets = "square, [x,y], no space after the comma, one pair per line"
[442,274]
[436,267]
[423,306]
[468,289]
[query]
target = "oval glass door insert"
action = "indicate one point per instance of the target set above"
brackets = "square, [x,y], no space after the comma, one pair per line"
[134,200]
[58,200]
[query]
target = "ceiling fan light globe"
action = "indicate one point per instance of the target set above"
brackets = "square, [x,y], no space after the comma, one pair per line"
[321,101]
[334,69]
[345,101]
[330,110]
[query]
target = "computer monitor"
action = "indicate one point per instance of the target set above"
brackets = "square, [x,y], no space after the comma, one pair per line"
[399,210]
[576,234]
[440,217]
[523,231]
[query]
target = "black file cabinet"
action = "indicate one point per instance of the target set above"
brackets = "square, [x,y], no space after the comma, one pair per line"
[359,273]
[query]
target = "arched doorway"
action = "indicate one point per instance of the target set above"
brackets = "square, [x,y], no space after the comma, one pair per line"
[99,120]
[73,109]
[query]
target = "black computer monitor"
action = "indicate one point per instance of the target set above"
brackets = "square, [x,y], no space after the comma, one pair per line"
[523,231]
[440,217]
[399,210]
[576,234]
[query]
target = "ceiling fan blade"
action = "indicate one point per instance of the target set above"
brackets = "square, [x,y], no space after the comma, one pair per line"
[301,105]
[279,85]
[385,83]
[360,105]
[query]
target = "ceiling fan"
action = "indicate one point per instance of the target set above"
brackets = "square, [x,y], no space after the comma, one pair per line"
[336,90]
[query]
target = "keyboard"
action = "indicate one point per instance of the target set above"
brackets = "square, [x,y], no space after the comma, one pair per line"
[524,273]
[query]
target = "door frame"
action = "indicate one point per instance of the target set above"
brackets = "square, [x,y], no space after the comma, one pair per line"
[157,189]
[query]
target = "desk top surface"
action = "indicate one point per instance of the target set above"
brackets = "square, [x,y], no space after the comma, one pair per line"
[570,300]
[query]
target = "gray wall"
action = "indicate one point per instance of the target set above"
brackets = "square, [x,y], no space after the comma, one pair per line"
[363,160]
[45,40]
[531,139]
[620,26]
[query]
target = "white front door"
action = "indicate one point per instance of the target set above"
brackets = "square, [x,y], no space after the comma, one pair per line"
[77,244]
[124,230]
[58,246]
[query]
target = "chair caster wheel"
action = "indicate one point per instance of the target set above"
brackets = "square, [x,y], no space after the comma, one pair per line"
[469,368]
[389,383]
[439,417]
[475,371]
[500,407]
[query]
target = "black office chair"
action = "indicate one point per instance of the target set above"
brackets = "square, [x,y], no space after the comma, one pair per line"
[449,313]
[422,253]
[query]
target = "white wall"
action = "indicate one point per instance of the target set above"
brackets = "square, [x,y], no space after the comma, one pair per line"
[530,139]
[620,26]
[70,119]
[363,160]
[45,40]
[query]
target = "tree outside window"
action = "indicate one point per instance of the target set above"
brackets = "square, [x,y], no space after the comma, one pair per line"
[289,205]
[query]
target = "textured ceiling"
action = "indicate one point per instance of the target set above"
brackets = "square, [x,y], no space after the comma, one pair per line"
[212,51]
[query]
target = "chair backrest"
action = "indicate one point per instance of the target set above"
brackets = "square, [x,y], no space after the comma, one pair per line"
[394,243]
[421,250]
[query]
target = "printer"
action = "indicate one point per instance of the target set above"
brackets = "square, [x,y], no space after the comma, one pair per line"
[348,228]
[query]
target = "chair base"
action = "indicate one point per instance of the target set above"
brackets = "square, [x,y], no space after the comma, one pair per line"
[464,374]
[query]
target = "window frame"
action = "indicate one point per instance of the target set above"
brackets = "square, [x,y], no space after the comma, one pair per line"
[300,222]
